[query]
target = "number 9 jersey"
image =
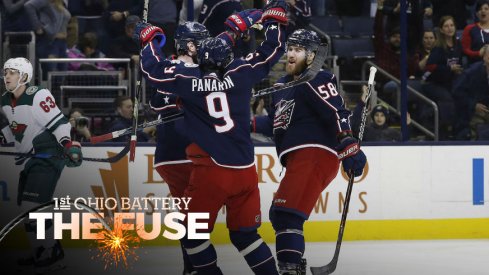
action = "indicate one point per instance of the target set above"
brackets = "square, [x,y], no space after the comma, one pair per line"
[217,108]
[32,114]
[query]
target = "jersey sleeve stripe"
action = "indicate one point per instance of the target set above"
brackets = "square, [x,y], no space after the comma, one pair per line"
[275,51]
[53,121]
[61,121]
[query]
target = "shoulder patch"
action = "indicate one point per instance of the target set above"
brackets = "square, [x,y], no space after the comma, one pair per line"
[32,90]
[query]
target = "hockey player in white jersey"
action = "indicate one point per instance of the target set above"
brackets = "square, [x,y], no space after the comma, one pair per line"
[36,125]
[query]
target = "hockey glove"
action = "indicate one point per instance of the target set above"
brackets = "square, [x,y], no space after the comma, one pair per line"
[241,22]
[352,157]
[145,33]
[73,154]
[275,11]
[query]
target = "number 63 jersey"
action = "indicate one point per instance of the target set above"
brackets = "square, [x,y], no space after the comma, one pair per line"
[217,107]
[307,115]
[33,113]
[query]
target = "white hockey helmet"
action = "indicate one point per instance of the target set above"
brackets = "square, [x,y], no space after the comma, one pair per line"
[22,65]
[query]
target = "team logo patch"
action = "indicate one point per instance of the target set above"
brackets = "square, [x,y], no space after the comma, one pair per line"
[31,90]
[18,130]
[283,114]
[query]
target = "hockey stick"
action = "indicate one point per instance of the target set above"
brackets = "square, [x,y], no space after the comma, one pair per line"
[13,223]
[127,131]
[315,67]
[331,266]
[132,150]
[112,159]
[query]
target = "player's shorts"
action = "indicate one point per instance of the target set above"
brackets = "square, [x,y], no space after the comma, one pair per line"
[309,171]
[38,180]
[177,176]
[212,186]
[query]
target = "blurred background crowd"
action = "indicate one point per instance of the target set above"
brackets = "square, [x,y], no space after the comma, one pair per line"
[83,53]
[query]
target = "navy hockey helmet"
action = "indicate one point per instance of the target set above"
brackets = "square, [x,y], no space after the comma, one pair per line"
[307,39]
[189,32]
[214,53]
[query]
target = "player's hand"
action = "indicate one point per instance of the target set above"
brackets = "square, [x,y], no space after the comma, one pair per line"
[73,154]
[145,33]
[241,22]
[275,11]
[352,157]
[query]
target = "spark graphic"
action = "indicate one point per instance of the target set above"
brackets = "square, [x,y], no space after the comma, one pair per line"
[118,246]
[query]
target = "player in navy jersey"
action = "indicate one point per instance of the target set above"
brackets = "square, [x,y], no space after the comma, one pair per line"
[312,134]
[170,158]
[216,95]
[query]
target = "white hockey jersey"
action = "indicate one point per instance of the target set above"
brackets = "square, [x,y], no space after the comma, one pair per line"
[30,115]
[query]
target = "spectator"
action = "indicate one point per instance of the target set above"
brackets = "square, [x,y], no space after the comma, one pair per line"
[87,48]
[49,19]
[416,11]
[14,16]
[471,93]
[79,125]
[475,36]
[455,8]
[115,18]
[124,46]
[379,129]
[442,68]
[125,109]
[423,52]
[388,55]
[163,13]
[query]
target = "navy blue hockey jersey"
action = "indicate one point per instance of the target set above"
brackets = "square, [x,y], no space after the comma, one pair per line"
[217,110]
[307,115]
[171,137]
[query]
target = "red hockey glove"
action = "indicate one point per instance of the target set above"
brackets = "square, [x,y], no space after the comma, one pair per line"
[275,11]
[145,32]
[240,22]
[353,159]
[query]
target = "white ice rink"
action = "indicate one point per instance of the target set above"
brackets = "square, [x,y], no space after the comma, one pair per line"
[446,257]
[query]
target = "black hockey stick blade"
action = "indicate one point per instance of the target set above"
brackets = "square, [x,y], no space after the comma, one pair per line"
[112,159]
[310,74]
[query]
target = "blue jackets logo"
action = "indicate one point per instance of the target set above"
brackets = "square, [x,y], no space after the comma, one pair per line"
[283,114]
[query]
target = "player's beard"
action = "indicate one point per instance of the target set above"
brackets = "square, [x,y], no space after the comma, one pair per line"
[296,68]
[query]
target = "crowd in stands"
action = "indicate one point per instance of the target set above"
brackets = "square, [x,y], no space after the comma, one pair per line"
[446,44]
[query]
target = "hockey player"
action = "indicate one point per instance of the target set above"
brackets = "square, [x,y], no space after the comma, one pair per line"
[311,129]
[170,158]
[36,125]
[216,96]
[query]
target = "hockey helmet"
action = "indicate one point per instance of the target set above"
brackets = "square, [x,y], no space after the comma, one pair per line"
[189,32]
[307,39]
[214,53]
[22,65]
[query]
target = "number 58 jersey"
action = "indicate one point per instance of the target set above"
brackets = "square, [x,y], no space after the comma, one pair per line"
[33,113]
[307,115]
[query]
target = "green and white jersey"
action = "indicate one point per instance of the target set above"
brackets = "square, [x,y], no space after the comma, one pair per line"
[32,114]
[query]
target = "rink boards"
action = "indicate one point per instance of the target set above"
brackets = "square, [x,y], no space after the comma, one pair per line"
[406,192]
